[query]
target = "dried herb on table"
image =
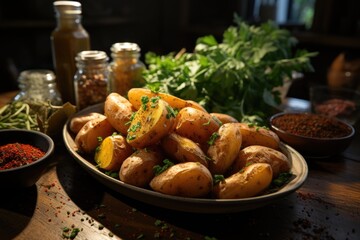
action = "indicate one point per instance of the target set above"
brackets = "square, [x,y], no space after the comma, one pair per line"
[237,76]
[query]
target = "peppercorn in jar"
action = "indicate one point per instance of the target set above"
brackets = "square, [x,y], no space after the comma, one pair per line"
[126,67]
[91,78]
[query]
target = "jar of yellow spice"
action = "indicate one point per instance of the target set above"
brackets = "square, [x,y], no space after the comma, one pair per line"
[126,68]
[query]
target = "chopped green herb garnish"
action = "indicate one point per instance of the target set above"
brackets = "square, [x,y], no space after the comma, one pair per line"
[171,112]
[213,137]
[159,169]
[218,178]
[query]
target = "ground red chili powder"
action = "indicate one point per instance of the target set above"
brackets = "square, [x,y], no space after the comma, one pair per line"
[18,154]
[311,125]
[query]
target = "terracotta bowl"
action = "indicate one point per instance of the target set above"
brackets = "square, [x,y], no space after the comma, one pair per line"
[314,146]
[26,175]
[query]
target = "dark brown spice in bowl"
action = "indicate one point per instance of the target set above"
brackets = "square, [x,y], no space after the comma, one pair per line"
[313,135]
[311,125]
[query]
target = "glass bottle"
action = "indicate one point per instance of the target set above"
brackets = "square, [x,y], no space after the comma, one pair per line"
[67,40]
[91,78]
[125,68]
[38,86]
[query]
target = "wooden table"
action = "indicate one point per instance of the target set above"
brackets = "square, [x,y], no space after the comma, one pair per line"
[327,206]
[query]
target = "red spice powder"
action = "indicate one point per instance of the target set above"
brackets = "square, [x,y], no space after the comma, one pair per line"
[311,125]
[18,154]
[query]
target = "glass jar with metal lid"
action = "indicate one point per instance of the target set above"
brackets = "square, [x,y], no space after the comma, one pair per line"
[38,86]
[91,78]
[125,68]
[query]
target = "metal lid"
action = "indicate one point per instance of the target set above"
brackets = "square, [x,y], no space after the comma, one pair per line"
[125,46]
[67,7]
[92,55]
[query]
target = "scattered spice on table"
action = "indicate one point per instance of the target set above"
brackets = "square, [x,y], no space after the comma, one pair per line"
[311,125]
[18,154]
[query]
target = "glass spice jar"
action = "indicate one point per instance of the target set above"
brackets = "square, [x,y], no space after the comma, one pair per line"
[38,86]
[67,40]
[125,68]
[91,78]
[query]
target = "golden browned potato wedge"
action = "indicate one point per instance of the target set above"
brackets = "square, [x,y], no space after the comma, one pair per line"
[248,183]
[253,135]
[224,118]
[137,169]
[118,110]
[195,124]
[260,154]
[183,149]
[76,123]
[151,123]
[135,95]
[224,150]
[112,152]
[189,179]
[87,138]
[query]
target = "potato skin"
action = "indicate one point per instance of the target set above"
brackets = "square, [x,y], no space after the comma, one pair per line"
[112,152]
[87,138]
[253,135]
[248,183]
[150,124]
[195,125]
[225,148]
[76,123]
[183,149]
[260,154]
[137,169]
[118,110]
[224,118]
[189,179]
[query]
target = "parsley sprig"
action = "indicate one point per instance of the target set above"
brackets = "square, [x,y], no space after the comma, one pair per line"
[237,76]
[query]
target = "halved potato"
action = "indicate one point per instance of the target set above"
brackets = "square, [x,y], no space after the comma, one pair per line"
[135,95]
[151,123]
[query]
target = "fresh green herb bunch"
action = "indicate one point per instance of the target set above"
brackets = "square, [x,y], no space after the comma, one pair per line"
[237,76]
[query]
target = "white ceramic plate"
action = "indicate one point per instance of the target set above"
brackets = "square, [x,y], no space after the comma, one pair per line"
[196,205]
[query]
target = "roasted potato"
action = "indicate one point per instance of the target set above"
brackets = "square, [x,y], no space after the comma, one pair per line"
[189,179]
[151,123]
[183,149]
[137,169]
[87,138]
[112,152]
[253,135]
[224,118]
[225,148]
[76,123]
[260,154]
[118,110]
[195,124]
[135,94]
[248,183]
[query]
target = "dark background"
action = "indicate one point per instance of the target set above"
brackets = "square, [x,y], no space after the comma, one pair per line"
[164,26]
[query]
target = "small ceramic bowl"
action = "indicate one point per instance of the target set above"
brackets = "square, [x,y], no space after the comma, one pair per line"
[313,135]
[26,175]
